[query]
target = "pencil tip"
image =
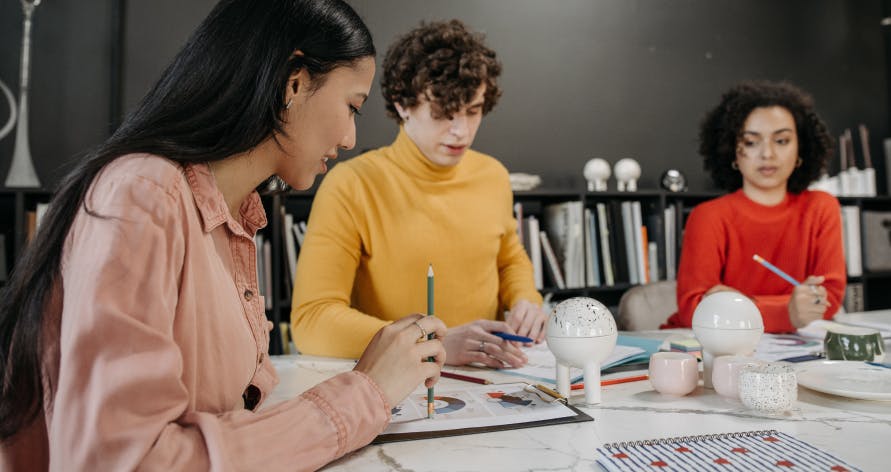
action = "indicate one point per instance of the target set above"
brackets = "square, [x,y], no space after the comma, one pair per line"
[430,270]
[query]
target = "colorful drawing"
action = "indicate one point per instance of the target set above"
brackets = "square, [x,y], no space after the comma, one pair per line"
[444,405]
[507,400]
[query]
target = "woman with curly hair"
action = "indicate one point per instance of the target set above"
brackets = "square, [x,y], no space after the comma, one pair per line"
[378,220]
[765,144]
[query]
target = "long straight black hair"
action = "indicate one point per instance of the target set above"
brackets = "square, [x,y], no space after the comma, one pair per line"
[223,94]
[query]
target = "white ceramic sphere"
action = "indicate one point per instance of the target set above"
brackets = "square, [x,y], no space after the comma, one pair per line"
[581,333]
[725,323]
[727,310]
[596,169]
[626,170]
[581,317]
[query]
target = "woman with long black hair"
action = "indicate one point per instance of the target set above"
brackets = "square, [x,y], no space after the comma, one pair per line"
[132,333]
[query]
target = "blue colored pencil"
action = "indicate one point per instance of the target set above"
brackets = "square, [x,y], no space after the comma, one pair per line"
[430,409]
[512,337]
[776,270]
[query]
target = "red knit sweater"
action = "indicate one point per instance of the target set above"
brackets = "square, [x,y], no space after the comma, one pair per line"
[802,236]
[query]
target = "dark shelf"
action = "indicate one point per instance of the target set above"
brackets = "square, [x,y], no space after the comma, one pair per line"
[611,194]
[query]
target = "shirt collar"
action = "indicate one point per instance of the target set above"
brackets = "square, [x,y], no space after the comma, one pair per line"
[212,206]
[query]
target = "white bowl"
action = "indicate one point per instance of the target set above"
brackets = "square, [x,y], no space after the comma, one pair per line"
[577,352]
[724,342]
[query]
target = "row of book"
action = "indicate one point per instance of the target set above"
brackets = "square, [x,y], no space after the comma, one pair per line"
[867,240]
[610,243]
[32,222]
[292,236]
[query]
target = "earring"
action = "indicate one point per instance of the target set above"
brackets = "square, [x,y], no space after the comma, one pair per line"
[405,118]
[288,105]
[799,162]
[734,165]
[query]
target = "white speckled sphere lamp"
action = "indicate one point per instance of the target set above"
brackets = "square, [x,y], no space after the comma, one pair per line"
[581,333]
[726,323]
[596,172]
[627,172]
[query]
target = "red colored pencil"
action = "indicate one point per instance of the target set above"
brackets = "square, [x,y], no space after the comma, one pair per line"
[604,383]
[466,378]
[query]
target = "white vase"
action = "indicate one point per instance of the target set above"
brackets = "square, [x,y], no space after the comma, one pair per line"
[21,172]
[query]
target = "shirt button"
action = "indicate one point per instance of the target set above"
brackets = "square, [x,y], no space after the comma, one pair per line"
[248,295]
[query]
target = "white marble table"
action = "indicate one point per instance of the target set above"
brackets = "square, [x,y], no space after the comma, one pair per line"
[857,431]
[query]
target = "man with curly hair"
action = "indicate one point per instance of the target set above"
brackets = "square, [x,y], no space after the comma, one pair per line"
[379,219]
[765,143]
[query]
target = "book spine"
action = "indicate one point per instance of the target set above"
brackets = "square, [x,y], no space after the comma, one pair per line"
[605,251]
[551,259]
[535,251]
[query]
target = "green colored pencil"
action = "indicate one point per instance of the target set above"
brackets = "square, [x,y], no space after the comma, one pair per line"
[430,411]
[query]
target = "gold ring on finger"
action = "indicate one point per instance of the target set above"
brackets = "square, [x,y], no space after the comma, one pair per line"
[423,331]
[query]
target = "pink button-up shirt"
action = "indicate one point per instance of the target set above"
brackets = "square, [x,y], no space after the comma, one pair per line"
[157,338]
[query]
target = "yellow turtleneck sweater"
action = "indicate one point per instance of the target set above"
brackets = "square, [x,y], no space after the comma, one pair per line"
[378,220]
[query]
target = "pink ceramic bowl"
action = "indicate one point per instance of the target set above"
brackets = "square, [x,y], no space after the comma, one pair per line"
[725,374]
[674,373]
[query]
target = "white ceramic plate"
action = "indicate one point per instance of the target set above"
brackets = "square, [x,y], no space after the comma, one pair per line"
[846,378]
[879,319]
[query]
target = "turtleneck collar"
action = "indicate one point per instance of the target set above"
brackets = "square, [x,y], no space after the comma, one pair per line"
[753,206]
[406,154]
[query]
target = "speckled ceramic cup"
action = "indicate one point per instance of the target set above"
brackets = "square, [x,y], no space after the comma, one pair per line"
[769,388]
[674,373]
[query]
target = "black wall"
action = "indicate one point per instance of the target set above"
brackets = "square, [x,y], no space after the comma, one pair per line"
[70,96]
[582,78]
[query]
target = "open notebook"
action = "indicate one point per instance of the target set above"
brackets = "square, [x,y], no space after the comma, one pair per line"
[754,450]
[542,366]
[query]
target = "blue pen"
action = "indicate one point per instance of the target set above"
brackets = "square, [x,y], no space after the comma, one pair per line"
[776,270]
[880,364]
[513,337]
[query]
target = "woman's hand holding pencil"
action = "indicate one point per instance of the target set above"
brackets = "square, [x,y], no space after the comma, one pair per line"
[809,300]
[396,358]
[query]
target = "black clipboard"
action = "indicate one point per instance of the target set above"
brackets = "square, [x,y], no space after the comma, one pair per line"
[579,417]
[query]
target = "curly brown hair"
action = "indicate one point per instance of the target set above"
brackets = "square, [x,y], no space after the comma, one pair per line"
[722,128]
[445,63]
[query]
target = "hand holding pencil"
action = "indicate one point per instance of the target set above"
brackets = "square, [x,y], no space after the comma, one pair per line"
[477,342]
[396,358]
[809,300]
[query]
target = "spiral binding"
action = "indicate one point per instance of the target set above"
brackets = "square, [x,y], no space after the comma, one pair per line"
[682,439]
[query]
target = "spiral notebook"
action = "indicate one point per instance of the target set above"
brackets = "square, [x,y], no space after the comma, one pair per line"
[746,451]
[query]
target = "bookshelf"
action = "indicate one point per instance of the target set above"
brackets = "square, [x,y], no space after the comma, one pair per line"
[534,202]
[15,205]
